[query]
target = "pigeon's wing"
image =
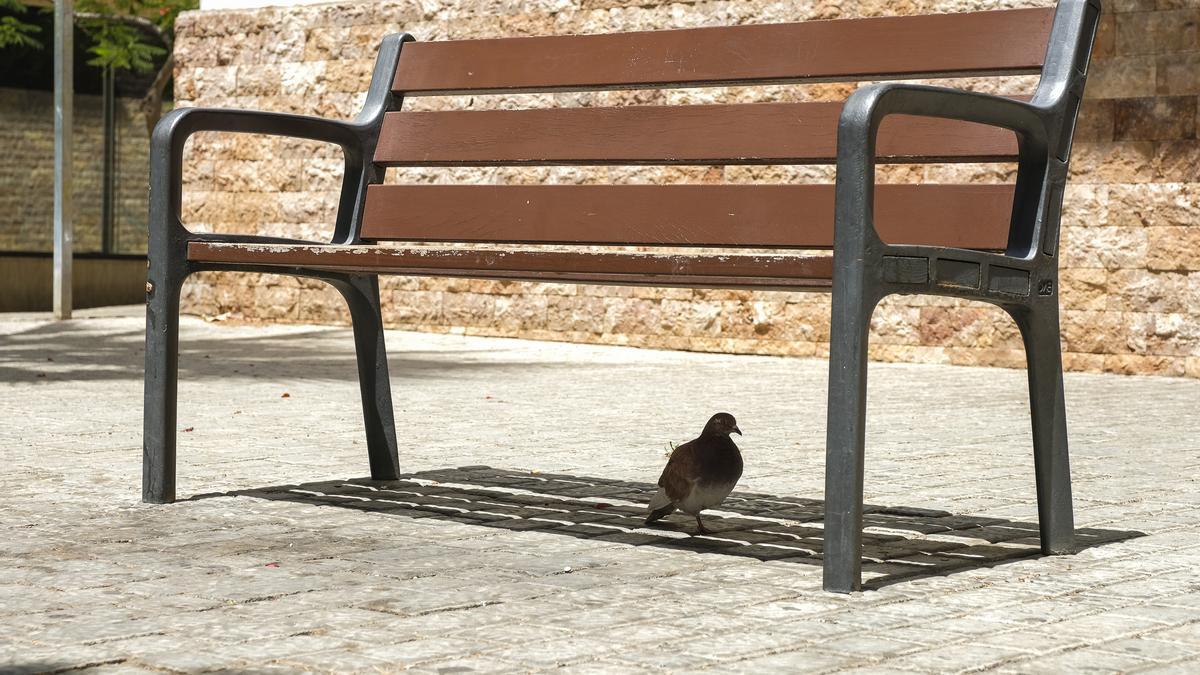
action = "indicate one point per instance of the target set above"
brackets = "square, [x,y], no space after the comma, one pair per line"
[660,506]
[680,473]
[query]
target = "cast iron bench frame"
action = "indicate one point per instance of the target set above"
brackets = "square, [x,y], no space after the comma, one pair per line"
[1023,280]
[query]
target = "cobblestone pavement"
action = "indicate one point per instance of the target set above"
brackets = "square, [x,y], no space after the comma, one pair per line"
[514,544]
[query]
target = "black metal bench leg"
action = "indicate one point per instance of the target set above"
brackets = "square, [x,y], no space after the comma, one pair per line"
[846,438]
[362,296]
[161,386]
[1043,352]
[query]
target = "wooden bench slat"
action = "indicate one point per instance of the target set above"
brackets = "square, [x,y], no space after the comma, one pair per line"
[795,272]
[764,133]
[797,216]
[992,42]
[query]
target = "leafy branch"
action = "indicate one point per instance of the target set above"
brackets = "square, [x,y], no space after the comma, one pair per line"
[130,35]
[121,30]
[15,32]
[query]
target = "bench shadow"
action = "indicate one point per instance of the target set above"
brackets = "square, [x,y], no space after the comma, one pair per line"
[899,543]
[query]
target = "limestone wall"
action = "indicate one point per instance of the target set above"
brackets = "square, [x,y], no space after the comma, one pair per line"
[1131,249]
[27,172]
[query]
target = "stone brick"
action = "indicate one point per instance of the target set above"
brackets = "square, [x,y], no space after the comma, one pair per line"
[323,304]
[520,313]
[895,353]
[1155,119]
[1175,334]
[1127,6]
[574,313]
[212,82]
[413,308]
[1093,363]
[975,326]
[1106,37]
[1096,120]
[1104,247]
[277,302]
[638,316]
[892,324]
[1117,162]
[1085,205]
[1094,332]
[805,323]
[1178,74]
[322,175]
[1011,357]
[1160,32]
[1174,248]
[1193,294]
[1146,291]
[348,75]
[1134,364]
[1122,76]
[258,80]
[1083,288]
[1176,162]
[468,309]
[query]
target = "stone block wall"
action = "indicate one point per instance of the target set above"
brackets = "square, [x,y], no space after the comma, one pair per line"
[1131,242]
[27,173]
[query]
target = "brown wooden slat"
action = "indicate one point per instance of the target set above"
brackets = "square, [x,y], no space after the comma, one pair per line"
[764,133]
[799,216]
[756,271]
[993,42]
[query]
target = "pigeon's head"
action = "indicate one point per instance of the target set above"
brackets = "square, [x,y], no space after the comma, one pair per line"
[721,424]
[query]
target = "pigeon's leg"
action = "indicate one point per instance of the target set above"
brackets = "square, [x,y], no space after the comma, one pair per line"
[700,529]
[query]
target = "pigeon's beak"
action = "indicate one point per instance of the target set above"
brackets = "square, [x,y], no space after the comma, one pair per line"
[737,430]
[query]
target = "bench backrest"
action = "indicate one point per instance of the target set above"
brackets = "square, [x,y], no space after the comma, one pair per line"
[993,43]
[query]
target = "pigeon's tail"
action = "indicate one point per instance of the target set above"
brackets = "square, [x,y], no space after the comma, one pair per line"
[660,506]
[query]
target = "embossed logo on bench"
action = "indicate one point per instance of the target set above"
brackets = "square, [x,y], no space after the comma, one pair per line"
[1046,287]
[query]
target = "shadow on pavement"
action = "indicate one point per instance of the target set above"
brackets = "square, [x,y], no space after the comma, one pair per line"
[899,543]
[68,351]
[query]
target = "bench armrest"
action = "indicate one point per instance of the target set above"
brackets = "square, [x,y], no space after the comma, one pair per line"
[859,126]
[173,130]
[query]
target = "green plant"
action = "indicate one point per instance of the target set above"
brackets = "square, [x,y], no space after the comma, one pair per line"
[15,32]
[125,34]
[132,35]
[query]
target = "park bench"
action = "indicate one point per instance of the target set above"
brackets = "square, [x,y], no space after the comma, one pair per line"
[992,243]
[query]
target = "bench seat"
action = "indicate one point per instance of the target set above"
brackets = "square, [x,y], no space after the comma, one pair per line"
[779,272]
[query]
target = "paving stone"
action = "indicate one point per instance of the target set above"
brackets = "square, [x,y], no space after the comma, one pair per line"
[1186,667]
[866,646]
[955,658]
[1149,648]
[283,557]
[793,662]
[466,666]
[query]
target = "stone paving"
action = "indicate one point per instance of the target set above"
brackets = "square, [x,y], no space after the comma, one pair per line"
[514,543]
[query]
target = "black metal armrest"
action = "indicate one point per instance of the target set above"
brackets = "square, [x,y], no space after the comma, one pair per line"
[168,237]
[859,126]
[176,126]
[1044,128]
[172,131]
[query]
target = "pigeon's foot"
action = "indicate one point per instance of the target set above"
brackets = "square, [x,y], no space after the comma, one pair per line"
[700,529]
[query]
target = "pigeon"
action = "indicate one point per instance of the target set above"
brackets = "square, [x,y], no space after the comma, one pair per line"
[701,473]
